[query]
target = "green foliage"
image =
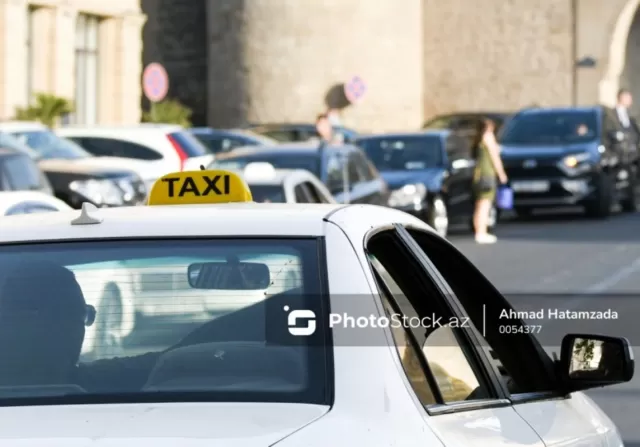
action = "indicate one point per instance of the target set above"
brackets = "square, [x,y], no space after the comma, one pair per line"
[169,111]
[48,109]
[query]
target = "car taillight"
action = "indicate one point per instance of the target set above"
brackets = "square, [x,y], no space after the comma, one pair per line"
[181,154]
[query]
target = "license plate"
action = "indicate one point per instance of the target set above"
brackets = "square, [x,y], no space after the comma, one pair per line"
[531,186]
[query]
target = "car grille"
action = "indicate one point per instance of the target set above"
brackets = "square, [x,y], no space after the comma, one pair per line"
[545,169]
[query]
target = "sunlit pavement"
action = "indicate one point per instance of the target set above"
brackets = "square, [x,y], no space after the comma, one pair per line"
[566,253]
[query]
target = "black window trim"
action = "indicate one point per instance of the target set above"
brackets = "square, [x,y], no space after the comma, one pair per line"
[451,298]
[499,399]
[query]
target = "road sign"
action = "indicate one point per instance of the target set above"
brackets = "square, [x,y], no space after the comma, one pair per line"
[355,89]
[155,82]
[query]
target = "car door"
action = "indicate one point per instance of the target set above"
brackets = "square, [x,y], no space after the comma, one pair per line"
[459,396]
[524,369]
[459,177]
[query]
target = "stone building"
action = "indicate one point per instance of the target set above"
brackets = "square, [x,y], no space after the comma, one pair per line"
[87,51]
[239,61]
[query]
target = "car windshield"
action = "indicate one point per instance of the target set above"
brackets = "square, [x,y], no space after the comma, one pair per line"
[307,162]
[403,153]
[69,309]
[51,146]
[267,193]
[550,128]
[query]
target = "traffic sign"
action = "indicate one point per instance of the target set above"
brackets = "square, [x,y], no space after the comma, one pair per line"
[155,82]
[355,89]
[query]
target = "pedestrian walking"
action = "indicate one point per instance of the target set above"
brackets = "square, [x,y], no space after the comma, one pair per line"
[626,121]
[324,130]
[488,166]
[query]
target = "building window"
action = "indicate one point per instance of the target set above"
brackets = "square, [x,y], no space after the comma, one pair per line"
[31,11]
[86,95]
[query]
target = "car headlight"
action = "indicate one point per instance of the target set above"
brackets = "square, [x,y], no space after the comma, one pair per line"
[128,189]
[576,163]
[100,192]
[408,195]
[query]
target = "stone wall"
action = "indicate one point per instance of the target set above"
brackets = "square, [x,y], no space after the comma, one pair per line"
[175,36]
[497,54]
[276,60]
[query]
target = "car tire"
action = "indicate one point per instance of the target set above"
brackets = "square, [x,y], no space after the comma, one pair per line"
[438,216]
[109,338]
[600,207]
[630,203]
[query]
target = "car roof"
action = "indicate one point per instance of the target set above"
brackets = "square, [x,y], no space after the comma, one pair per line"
[109,129]
[297,148]
[229,219]
[443,133]
[21,126]
[568,109]
[217,220]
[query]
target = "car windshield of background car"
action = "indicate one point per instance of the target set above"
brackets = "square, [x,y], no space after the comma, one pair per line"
[241,322]
[267,193]
[401,154]
[51,146]
[550,128]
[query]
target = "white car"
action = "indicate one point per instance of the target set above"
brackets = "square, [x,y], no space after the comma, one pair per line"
[152,149]
[29,202]
[284,185]
[315,365]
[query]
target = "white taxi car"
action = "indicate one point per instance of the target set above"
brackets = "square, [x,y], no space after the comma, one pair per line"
[312,365]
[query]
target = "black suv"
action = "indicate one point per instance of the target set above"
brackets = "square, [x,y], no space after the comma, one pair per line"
[570,156]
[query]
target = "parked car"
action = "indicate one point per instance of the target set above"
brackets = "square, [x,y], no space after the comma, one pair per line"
[286,132]
[19,172]
[269,184]
[570,156]
[345,170]
[153,150]
[29,202]
[217,140]
[75,175]
[465,123]
[429,174]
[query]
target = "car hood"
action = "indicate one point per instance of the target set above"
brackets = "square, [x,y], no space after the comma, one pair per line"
[431,177]
[133,425]
[514,152]
[88,166]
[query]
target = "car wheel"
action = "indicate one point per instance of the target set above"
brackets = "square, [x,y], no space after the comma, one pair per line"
[600,207]
[109,318]
[438,216]
[630,203]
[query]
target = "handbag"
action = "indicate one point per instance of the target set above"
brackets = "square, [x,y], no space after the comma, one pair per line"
[504,197]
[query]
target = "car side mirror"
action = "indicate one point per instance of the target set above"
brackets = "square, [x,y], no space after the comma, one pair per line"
[592,361]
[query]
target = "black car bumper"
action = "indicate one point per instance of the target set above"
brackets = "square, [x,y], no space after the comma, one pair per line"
[553,191]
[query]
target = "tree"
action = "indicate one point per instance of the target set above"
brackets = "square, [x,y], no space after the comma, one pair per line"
[48,109]
[169,111]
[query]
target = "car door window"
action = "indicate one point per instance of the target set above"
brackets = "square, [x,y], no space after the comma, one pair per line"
[434,346]
[335,173]
[302,195]
[118,148]
[364,167]
[20,173]
[355,175]
[316,195]
[518,359]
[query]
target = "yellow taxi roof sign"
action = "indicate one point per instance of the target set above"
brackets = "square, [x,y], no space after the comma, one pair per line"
[199,188]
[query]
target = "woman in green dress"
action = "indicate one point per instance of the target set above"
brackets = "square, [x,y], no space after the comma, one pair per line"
[488,166]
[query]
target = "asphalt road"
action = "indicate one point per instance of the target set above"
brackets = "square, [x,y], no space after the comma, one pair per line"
[597,263]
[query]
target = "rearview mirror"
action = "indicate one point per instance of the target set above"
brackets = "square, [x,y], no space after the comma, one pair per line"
[229,276]
[590,361]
